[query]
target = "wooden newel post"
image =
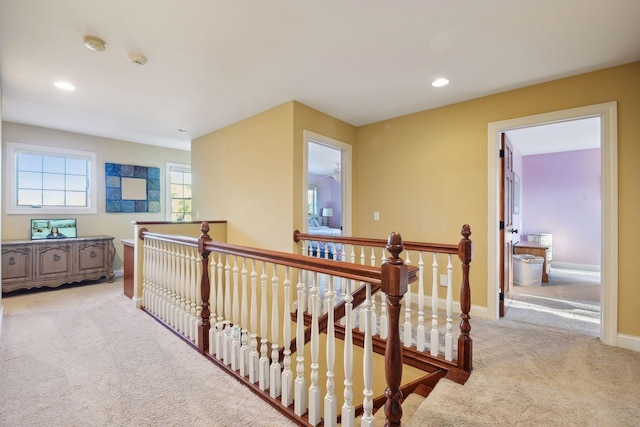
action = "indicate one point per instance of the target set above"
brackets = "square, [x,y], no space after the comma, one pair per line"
[465,343]
[394,285]
[205,289]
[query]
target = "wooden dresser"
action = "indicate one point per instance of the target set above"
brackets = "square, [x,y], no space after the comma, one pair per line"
[30,264]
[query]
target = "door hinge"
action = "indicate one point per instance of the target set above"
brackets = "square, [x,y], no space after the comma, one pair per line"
[501,153]
[501,225]
[501,296]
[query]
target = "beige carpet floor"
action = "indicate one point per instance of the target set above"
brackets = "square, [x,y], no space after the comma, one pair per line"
[84,356]
[71,357]
[542,365]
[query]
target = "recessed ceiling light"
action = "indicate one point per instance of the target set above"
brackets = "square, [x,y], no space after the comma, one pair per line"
[182,130]
[440,82]
[64,86]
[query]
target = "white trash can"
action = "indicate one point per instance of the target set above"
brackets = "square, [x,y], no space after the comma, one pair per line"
[527,270]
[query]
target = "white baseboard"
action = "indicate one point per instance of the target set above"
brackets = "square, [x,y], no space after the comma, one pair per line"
[476,310]
[137,302]
[118,273]
[574,266]
[628,342]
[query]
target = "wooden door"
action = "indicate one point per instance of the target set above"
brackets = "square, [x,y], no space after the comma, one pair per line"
[506,224]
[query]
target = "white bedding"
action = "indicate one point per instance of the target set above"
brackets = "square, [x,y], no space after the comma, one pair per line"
[323,230]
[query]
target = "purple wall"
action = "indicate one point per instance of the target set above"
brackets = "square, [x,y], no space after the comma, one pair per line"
[561,195]
[328,197]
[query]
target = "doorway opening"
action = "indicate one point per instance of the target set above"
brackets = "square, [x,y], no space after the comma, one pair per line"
[327,185]
[607,115]
[557,210]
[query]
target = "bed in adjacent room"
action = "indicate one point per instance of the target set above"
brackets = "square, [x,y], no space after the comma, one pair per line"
[314,227]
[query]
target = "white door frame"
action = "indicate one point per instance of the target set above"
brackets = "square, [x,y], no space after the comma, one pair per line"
[345,182]
[609,202]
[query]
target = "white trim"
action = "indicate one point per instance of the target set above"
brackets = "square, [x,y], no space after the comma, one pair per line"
[574,266]
[169,166]
[609,157]
[345,182]
[628,342]
[17,147]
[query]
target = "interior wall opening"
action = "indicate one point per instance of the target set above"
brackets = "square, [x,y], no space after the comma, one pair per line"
[558,205]
[607,114]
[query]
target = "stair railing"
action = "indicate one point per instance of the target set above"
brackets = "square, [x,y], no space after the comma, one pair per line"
[201,290]
[418,338]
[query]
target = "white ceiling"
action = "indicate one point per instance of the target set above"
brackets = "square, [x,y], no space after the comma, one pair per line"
[323,160]
[571,135]
[212,63]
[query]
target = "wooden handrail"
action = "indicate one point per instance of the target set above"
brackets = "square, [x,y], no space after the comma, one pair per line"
[379,243]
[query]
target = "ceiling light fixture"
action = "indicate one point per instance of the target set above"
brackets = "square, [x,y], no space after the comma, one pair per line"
[64,86]
[137,59]
[182,130]
[95,43]
[440,82]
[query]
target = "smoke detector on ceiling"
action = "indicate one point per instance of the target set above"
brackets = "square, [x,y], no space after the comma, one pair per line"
[137,59]
[95,43]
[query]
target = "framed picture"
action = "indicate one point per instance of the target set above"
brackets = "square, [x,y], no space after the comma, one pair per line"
[516,194]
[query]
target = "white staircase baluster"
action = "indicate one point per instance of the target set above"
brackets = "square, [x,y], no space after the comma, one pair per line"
[406,340]
[314,389]
[253,353]
[362,321]
[150,270]
[300,401]
[330,404]
[309,292]
[420,330]
[348,411]
[162,312]
[184,319]
[244,349]
[196,299]
[235,317]
[213,302]
[195,279]
[287,374]
[374,315]
[448,337]
[384,319]
[367,365]
[220,322]
[435,334]
[263,369]
[179,277]
[185,316]
[183,278]
[172,280]
[275,374]
[226,346]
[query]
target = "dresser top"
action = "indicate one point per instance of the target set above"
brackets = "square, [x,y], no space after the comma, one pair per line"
[42,241]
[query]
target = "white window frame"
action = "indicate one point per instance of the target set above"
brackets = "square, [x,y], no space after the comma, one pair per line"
[14,148]
[169,167]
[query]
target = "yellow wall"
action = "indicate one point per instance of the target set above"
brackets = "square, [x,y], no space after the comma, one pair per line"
[244,174]
[108,150]
[426,173]
[306,118]
[252,173]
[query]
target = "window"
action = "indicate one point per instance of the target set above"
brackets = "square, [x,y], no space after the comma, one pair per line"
[179,192]
[50,180]
[312,200]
